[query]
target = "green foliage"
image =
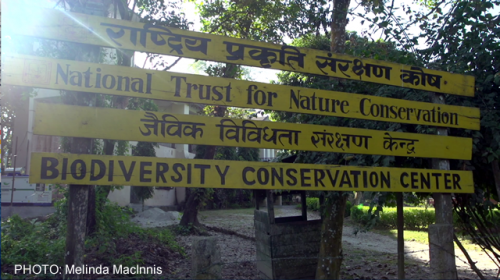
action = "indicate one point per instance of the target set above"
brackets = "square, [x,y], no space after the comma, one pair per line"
[36,242]
[312,203]
[31,242]
[414,218]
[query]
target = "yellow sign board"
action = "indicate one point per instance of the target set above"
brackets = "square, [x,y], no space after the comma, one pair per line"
[146,37]
[99,78]
[101,123]
[53,168]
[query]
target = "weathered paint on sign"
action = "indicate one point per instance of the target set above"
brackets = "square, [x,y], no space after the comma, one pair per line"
[92,122]
[146,37]
[79,76]
[55,168]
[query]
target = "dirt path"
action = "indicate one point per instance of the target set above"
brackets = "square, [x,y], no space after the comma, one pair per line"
[366,254]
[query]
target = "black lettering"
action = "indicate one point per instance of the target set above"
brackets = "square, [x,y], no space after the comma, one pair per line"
[60,72]
[414,180]
[64,171]
[402,180]
[374,179]
[303,177]
[102,169]
[112,83]
[362,106]
[176,167]
[436,175]
[120,83]
[137,85]
[161,169]
[454,118]
[425,180]
[148,82]
[178,85]
[356,174]
[98,78]
[126,174]
[202,168]
[343,104]
[289,172]
[244,175]
[76,80]
[294,99]
[456,180]
[228,93]
[319,175]
[270,96]
[276,176]
[384,111]
[82,170]
[385,179]
[447,181]
[263,180]
[217,90]
[401,112]
[111,170]
[45,168]
[143,171]
[222,174]
[333,181]
[346,180]
[87,75]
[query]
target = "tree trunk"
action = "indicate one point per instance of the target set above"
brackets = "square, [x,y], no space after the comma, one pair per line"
[330,252]
[193,202]
[77,214]
[91,212]
[358,198]
[339,22]
[496,175]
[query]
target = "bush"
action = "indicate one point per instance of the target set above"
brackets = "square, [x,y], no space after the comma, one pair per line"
[414,219]
[356,213]
[312,203]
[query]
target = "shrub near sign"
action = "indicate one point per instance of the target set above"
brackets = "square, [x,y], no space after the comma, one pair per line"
[147,171]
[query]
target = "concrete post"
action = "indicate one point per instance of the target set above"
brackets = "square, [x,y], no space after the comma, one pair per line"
[205,259]
[441,246]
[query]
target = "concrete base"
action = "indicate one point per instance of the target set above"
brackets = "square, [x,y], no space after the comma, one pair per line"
[205,259]
[442,251]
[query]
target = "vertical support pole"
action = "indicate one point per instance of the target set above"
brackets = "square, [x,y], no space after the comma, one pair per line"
[256,196]
[441,246]
[13,180]
[401,241]
[270,206]
[304,205]
[78,195]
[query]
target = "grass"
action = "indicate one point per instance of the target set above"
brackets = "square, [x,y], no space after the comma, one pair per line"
[225,212]
[423,237]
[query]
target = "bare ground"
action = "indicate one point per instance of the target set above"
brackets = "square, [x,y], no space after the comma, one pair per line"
[367,255]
